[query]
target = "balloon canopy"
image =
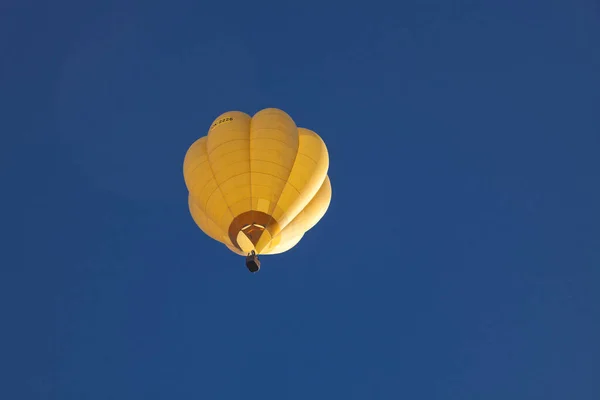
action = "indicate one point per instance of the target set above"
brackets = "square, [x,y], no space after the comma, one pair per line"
[257,184]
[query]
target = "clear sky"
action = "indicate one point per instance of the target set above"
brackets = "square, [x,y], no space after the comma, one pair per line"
[460,256]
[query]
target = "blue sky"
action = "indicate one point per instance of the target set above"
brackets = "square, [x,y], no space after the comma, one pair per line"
[459,258]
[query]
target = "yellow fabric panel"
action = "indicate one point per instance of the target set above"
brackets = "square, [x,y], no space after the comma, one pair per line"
[228,148]
[284,245]
[307,175]
[245,243]
[235,250]
[263,242]
[316,209]
[286,239]
[195,160]
[305,220]
[203,187]
[206,224]
[273,148]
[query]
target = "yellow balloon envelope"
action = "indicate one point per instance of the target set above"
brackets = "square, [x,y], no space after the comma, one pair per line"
[257,184]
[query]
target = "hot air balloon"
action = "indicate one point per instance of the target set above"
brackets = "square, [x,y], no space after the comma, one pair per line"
[257,184]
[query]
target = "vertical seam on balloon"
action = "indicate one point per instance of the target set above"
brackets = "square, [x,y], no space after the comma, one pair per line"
[323,212]
[224,143]
[259,173]
[316,163]
[207,217]
[272,211]
[216,182]
[194,193]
